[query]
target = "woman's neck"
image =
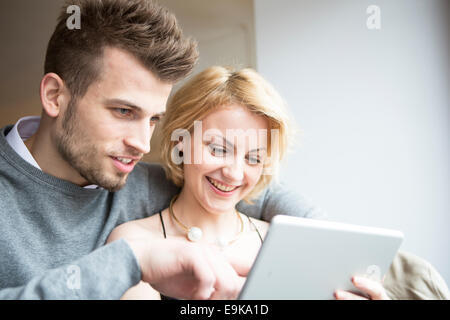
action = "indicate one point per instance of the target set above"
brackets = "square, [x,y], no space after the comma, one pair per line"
[190,213]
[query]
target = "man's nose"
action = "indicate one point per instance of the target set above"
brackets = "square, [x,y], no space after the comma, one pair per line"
[139,137]
[234,170]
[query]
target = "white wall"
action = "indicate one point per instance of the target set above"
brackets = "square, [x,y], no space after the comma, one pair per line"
[373,106]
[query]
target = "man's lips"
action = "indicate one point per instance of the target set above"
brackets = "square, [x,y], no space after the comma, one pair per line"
[134,158]
[125,167]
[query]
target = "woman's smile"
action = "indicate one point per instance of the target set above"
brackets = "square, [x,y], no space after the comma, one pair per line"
[221,188]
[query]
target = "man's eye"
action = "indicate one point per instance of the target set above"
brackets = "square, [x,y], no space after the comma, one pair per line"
[123,111]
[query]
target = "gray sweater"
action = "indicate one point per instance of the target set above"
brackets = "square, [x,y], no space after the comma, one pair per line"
[52,232]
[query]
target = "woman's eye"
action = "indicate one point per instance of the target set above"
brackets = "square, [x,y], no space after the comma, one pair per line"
[253,160]
[217,151]
[154,120]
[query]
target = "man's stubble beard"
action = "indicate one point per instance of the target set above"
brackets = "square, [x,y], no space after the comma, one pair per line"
[80,152]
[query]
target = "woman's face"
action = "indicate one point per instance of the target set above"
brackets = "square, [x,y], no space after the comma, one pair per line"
[229,160]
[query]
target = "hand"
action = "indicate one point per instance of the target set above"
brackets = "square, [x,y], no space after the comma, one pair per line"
[374,289]
[186,270]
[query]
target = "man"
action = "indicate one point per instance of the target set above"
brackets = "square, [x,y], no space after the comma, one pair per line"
[72,175]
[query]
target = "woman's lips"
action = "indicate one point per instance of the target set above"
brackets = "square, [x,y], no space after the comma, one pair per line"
[212,183]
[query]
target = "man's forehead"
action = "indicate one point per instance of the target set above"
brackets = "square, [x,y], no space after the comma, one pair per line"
[124,82]
[116,58]
[129,79]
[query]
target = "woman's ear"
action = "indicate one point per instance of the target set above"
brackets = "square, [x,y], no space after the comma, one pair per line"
[180,148]
[177,153]
[54,94]
[179,144]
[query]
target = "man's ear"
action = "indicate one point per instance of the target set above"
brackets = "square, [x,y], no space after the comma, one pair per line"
[54,94]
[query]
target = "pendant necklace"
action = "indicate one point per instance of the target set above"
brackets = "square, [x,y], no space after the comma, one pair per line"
[194,234]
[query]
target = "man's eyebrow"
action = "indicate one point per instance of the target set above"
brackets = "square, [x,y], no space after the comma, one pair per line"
[129,104]
[122,102]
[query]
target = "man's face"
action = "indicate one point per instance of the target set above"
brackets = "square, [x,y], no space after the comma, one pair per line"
[107,131]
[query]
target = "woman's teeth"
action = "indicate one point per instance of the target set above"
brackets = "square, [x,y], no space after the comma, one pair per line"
[124,161]
[220,186]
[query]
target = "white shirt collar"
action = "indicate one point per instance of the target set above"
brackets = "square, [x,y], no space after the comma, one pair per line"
[23,130]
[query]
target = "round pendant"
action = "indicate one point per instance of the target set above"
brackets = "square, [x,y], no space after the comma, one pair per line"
[194,234]
[222,242]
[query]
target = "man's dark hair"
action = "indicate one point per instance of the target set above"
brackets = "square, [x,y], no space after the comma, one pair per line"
[141,27]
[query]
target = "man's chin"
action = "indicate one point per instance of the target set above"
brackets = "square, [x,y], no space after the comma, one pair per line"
[114,188]
[117,186]
[112,185]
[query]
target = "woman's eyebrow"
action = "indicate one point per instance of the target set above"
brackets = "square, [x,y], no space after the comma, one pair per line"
[258,149]
[229,144]
[161,114]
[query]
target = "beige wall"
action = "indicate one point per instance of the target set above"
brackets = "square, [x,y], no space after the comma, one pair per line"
[224,30]
[25,28]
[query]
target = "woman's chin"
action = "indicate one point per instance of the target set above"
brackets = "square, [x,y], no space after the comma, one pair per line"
[218,206]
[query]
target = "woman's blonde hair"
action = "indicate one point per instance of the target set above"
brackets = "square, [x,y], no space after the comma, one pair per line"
[216,87]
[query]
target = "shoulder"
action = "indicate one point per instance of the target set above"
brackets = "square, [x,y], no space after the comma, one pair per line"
[153,175]
[137,228]
[411,277]
[278,198]
[261,226]
[146,191]
[144,170]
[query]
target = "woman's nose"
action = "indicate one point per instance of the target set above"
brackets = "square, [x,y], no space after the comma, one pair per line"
[234,170]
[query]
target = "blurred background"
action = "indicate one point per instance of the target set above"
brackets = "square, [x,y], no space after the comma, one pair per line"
[373,105]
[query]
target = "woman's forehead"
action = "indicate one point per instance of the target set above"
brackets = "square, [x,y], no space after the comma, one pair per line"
[234,116]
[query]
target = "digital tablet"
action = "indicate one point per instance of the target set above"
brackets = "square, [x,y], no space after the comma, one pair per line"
[310,259]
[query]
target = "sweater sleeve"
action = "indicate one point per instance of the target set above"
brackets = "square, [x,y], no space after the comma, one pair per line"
[278,199]
[105,273]
[413,278]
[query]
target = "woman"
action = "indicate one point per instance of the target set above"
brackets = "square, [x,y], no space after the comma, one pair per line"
[224,135]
